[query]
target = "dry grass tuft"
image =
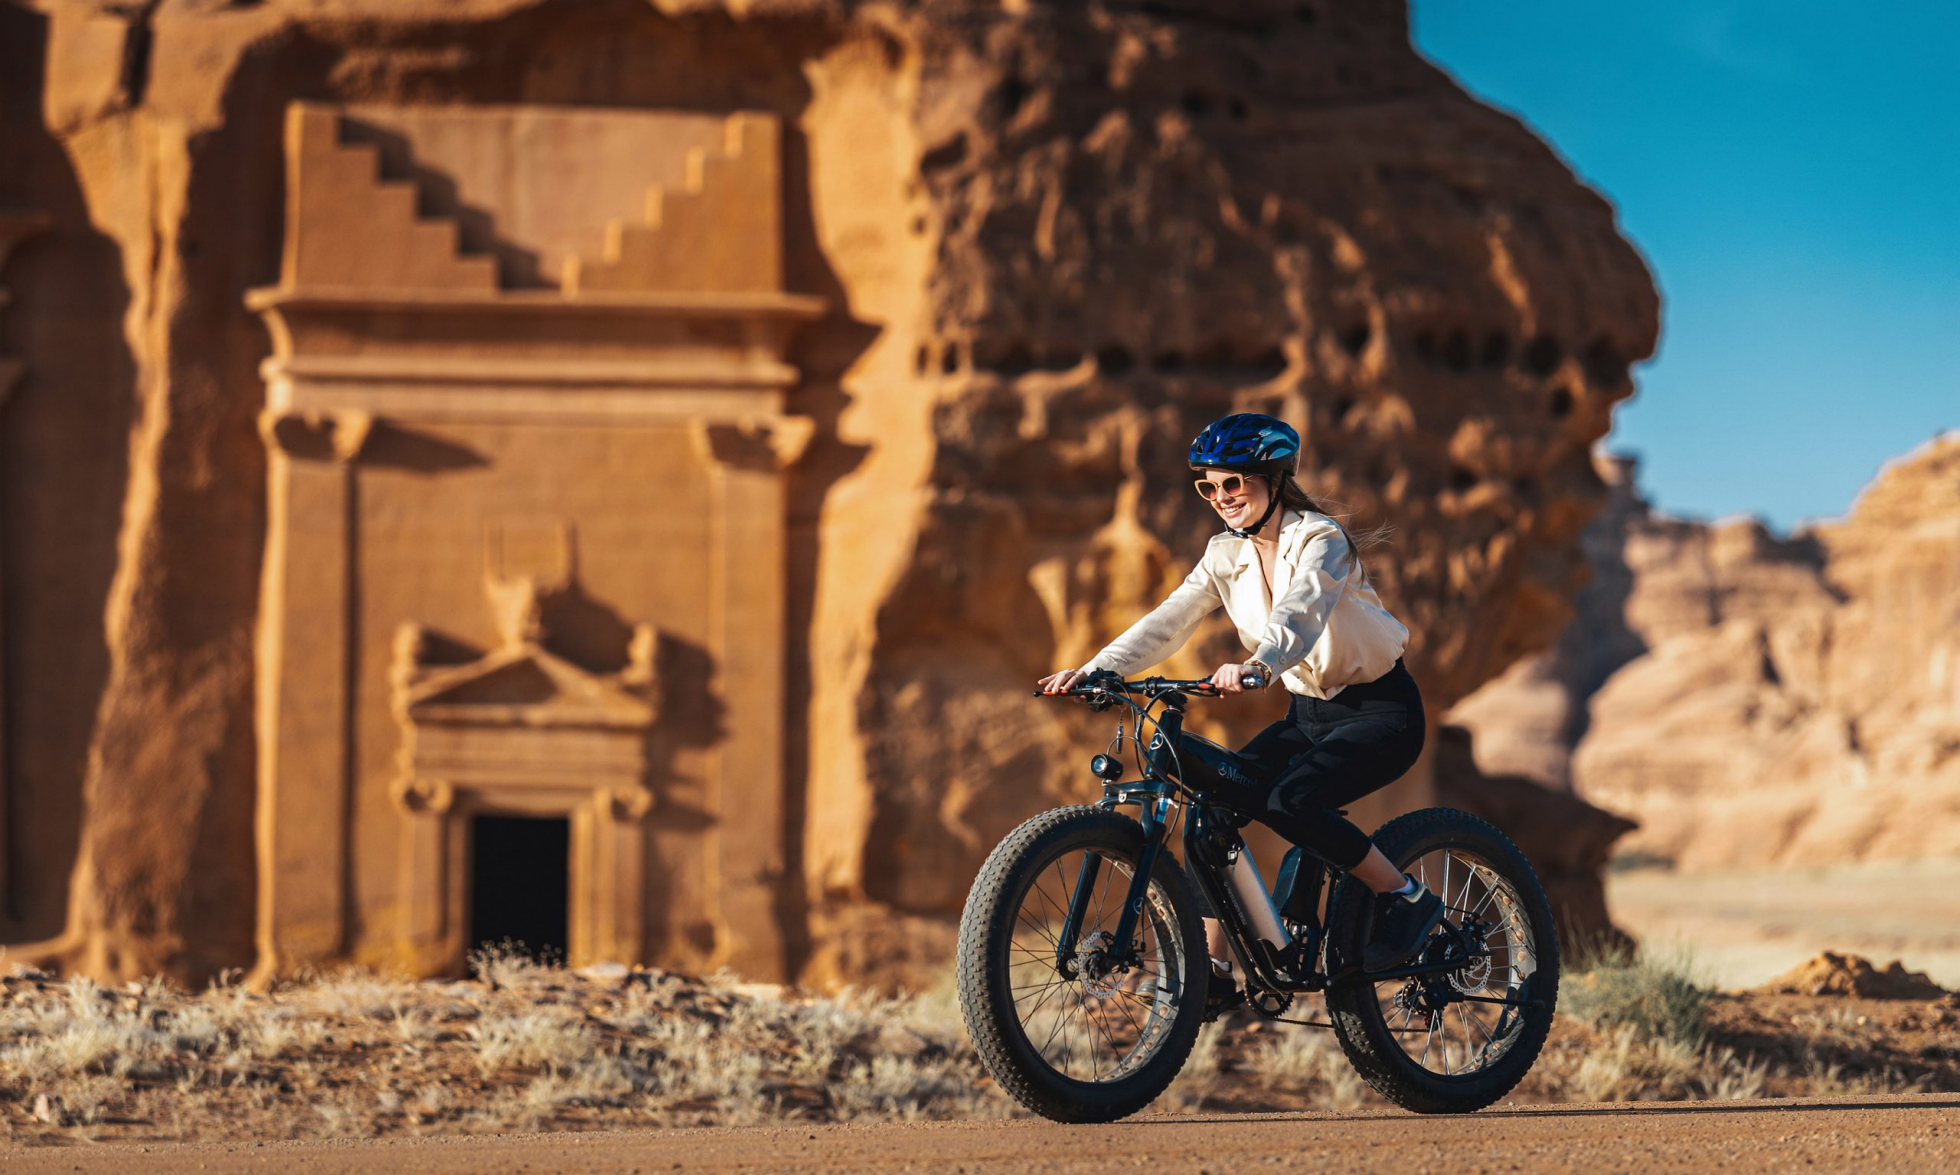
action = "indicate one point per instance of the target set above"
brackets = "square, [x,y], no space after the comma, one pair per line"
[1309,1064]
[1656,995]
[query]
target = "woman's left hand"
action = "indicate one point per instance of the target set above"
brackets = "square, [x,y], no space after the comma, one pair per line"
[1230,679]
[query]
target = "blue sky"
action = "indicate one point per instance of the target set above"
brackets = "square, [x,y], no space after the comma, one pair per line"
[1791,170]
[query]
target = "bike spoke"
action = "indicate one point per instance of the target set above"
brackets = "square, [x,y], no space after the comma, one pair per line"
[1504,956]
[1043,931]
[1097,1026]
[1059,987]
[1469,874]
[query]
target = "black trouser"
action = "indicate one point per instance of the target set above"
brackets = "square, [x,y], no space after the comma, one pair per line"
[1325,754]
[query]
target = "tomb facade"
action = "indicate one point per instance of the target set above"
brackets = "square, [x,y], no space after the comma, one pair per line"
[526,441]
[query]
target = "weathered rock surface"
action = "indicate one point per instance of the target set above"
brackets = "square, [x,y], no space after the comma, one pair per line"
[1568,840]
[1142,227]
[1054,241]
[1769,700]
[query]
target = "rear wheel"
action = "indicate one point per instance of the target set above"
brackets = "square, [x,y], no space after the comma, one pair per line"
[1075,1034]
[1459,1040]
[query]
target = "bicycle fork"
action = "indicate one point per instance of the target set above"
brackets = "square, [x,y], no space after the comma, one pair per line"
[1119,949]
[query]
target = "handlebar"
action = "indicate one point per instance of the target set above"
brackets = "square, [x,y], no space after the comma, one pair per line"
[1103,685]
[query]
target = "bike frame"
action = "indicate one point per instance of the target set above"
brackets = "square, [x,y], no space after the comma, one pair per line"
[1210,840]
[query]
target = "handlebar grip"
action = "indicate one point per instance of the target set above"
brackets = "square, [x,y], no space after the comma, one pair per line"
[1254,681]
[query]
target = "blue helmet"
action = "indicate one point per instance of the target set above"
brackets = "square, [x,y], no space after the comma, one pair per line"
[1247,442]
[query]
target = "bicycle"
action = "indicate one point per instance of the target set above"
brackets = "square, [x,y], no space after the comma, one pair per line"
[1082,1020]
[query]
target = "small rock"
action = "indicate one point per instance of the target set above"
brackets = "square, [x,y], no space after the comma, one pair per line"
[605,972]
[48,1108]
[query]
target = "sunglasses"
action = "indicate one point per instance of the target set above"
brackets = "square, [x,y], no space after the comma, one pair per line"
[1231,484]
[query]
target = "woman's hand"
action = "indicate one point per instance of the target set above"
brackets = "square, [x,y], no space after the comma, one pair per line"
[1056,683]
[1230,679]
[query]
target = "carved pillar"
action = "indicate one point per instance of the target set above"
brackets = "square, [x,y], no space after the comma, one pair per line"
[747,581]
[427,928]
[15,227]
[305,650]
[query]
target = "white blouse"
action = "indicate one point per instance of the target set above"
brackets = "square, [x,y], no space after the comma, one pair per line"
[1327,630]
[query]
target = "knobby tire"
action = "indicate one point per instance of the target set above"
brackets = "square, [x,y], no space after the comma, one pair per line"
[987,928]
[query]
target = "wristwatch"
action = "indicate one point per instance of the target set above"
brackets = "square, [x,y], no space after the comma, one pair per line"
[1265,670]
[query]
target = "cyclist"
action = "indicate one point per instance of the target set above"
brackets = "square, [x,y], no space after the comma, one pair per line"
[1303,607]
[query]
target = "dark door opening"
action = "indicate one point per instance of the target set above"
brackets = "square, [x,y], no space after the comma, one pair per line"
[520,885]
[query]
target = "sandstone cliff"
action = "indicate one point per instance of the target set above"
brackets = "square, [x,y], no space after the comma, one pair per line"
[1053,240]
[1763,700]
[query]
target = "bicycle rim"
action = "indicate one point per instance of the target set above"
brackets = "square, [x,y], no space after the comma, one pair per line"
[1435,1028]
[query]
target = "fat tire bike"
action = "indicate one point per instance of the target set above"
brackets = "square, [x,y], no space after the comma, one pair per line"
[1082,971]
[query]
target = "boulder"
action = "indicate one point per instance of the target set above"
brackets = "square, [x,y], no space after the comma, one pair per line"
[1831,973]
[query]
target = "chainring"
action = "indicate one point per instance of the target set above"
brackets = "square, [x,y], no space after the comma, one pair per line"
[1270,1004]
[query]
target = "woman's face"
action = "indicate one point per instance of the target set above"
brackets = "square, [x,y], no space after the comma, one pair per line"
[1246,503]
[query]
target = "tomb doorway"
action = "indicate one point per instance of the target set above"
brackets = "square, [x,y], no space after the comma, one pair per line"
[520,871]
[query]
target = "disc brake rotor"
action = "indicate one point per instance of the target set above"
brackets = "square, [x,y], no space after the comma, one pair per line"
[1473,975]
[1099,980]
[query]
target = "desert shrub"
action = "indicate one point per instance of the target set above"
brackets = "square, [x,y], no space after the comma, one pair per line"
[1628,1066]
[1632,1066]
[1202,1072]
[1308,1063]
[1729,1077]
[1655,995]
[551,1039]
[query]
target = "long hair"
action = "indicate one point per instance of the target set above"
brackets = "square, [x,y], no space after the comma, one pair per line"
[1294,496]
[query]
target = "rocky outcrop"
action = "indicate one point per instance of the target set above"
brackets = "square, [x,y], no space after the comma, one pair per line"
[1787,700]
[1568,840]
[1529,718]
[1054,240]
[1142,225]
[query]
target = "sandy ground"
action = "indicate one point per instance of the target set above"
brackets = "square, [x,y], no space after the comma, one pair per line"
[1903,1133]
[1744,928]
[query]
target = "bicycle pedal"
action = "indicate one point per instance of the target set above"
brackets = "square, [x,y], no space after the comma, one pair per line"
[1214,1011]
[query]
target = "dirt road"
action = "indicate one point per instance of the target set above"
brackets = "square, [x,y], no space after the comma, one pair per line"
[1903,1133]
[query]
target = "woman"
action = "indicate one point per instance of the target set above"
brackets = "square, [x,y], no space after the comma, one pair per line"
[1304,608]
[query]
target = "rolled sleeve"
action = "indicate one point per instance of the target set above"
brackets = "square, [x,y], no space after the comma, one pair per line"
[1164,629]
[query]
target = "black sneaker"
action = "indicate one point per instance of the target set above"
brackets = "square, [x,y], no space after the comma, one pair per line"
[1402,925]
[1222,993]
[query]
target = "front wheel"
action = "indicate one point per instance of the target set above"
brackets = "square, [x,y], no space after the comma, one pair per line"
[1458,1040]
[1071,1031]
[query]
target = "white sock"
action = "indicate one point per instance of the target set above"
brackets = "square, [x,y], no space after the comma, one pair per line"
[1408,887]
